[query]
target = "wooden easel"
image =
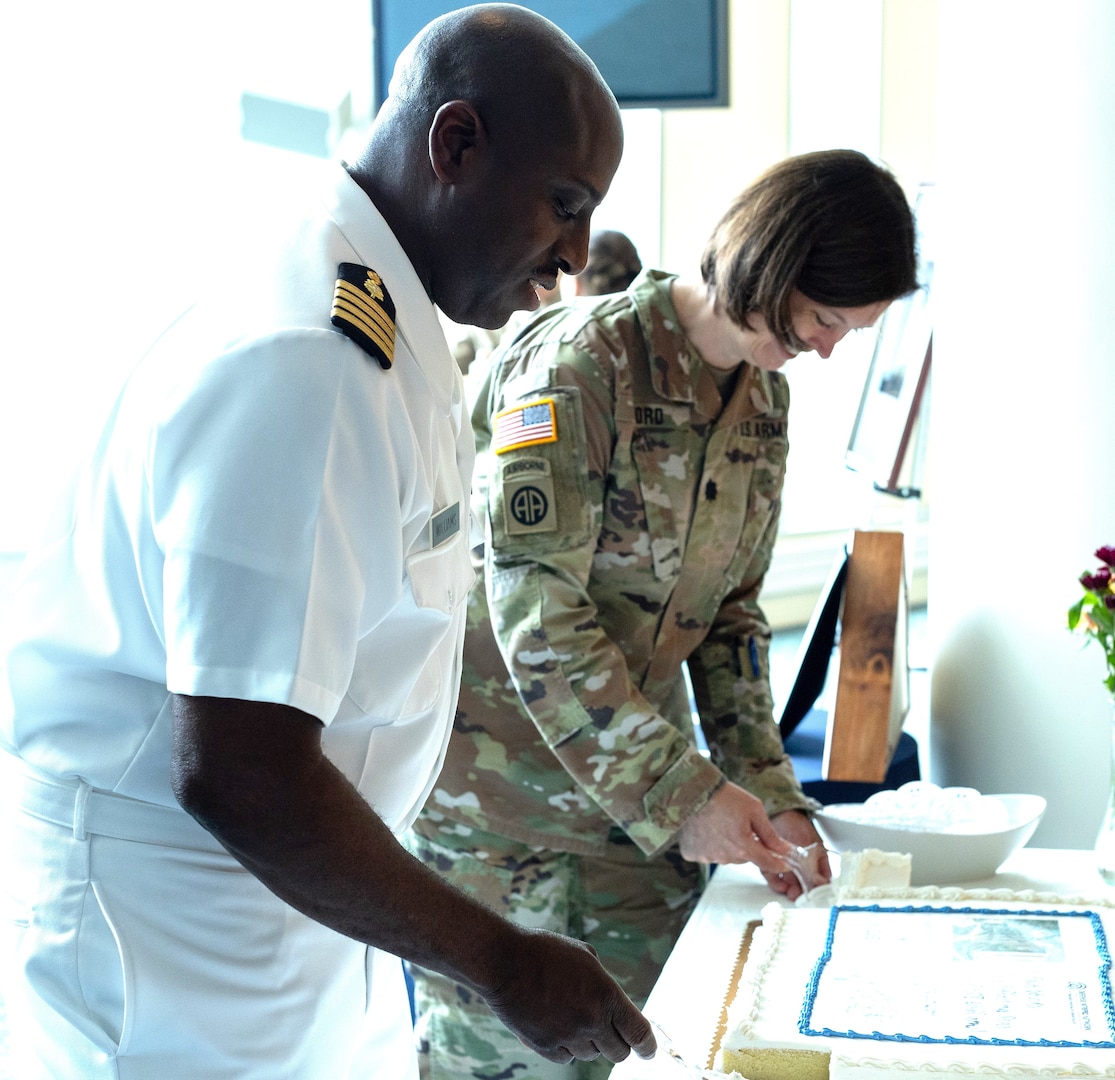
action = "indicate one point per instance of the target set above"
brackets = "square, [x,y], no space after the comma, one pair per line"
[873,687]
[861,618]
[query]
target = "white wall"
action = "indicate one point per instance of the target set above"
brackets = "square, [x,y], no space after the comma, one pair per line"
[708,155]
[1024,384]
[121,129]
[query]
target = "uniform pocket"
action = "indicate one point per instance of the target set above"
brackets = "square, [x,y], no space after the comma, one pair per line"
[399,671]
[653,453]
[441,577]
[482,879]
[763,464]
[440,580]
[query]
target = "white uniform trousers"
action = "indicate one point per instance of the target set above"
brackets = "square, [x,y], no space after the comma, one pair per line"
[127,959]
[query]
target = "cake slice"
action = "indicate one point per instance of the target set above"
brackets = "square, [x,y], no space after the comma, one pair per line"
[873,869]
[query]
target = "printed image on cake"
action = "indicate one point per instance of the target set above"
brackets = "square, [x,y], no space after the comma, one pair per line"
[894,988]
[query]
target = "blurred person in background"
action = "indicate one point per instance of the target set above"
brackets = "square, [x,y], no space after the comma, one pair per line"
[613,263]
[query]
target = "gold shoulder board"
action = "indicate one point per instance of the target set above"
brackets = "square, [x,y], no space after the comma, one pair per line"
[364,311]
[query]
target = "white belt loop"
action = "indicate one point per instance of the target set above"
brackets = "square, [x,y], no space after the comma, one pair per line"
[86,811]
[80,802]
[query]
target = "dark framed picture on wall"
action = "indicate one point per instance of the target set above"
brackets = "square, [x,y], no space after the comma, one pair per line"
[897,377]
[652,53]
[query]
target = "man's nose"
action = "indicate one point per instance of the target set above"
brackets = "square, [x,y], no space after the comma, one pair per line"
[572,250]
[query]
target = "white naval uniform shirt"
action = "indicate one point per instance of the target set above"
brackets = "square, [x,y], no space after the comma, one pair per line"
[256,522]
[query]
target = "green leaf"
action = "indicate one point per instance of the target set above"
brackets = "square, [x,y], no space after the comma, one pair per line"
[1074,613]
[1104,618]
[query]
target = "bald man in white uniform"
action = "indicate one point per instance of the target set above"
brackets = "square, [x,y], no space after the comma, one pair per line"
[234,662]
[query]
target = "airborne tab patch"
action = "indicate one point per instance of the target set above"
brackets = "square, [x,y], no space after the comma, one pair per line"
[524,425]
[364,311]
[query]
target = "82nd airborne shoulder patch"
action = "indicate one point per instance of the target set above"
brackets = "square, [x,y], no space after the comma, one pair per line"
[364,311]
[527,497]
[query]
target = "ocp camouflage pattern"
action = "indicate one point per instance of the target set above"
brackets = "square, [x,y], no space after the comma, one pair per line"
[634,544]
[457,1035]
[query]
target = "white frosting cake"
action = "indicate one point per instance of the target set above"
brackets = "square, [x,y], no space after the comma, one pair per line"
[922,982]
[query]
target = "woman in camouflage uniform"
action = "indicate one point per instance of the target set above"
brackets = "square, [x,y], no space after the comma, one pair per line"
[631,452]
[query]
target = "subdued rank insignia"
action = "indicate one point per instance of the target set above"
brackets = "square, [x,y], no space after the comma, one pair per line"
[364,311]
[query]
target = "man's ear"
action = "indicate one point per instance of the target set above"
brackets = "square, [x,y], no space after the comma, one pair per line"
[456,133]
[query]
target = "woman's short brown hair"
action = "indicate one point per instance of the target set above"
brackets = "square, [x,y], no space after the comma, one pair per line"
[832,223]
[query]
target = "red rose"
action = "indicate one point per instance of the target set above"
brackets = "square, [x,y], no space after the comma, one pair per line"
[1097,582]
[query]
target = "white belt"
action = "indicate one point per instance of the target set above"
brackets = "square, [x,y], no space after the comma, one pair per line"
[75,805]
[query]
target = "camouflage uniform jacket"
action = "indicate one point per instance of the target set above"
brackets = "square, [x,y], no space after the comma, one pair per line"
[629,522]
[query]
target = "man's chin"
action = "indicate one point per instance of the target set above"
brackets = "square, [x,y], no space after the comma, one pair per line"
[484,318]
[493,317]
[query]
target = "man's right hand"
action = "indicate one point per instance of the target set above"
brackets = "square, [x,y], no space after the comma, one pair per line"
[555,995]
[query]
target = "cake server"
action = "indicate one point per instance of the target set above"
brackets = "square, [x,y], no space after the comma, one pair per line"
[802,862]
[667,1046]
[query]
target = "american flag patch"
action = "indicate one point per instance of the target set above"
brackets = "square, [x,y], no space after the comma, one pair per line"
[524,425]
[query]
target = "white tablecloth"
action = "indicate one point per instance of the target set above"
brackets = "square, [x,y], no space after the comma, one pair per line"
[687,999]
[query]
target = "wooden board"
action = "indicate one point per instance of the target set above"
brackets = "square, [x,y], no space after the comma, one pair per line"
[872,691]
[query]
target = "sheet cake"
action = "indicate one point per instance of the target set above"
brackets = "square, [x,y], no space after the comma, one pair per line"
[918,982]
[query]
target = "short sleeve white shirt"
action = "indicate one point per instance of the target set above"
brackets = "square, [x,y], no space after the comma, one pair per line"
[268,515]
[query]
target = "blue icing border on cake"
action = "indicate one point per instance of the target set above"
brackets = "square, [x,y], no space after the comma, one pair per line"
[804,1020]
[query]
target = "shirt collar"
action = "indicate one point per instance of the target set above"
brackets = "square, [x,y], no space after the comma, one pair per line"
[682,377]
[376,246]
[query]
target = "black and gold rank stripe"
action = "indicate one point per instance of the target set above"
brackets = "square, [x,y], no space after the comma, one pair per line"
[364,311]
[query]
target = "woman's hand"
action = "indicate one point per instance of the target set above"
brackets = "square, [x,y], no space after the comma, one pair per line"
[796,827]
[733,827]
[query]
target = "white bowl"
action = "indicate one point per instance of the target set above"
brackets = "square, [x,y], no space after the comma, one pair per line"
[937,858]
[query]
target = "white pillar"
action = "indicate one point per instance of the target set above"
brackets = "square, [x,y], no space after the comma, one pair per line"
[1023,420]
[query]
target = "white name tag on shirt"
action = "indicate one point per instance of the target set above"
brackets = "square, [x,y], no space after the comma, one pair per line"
[444,524]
